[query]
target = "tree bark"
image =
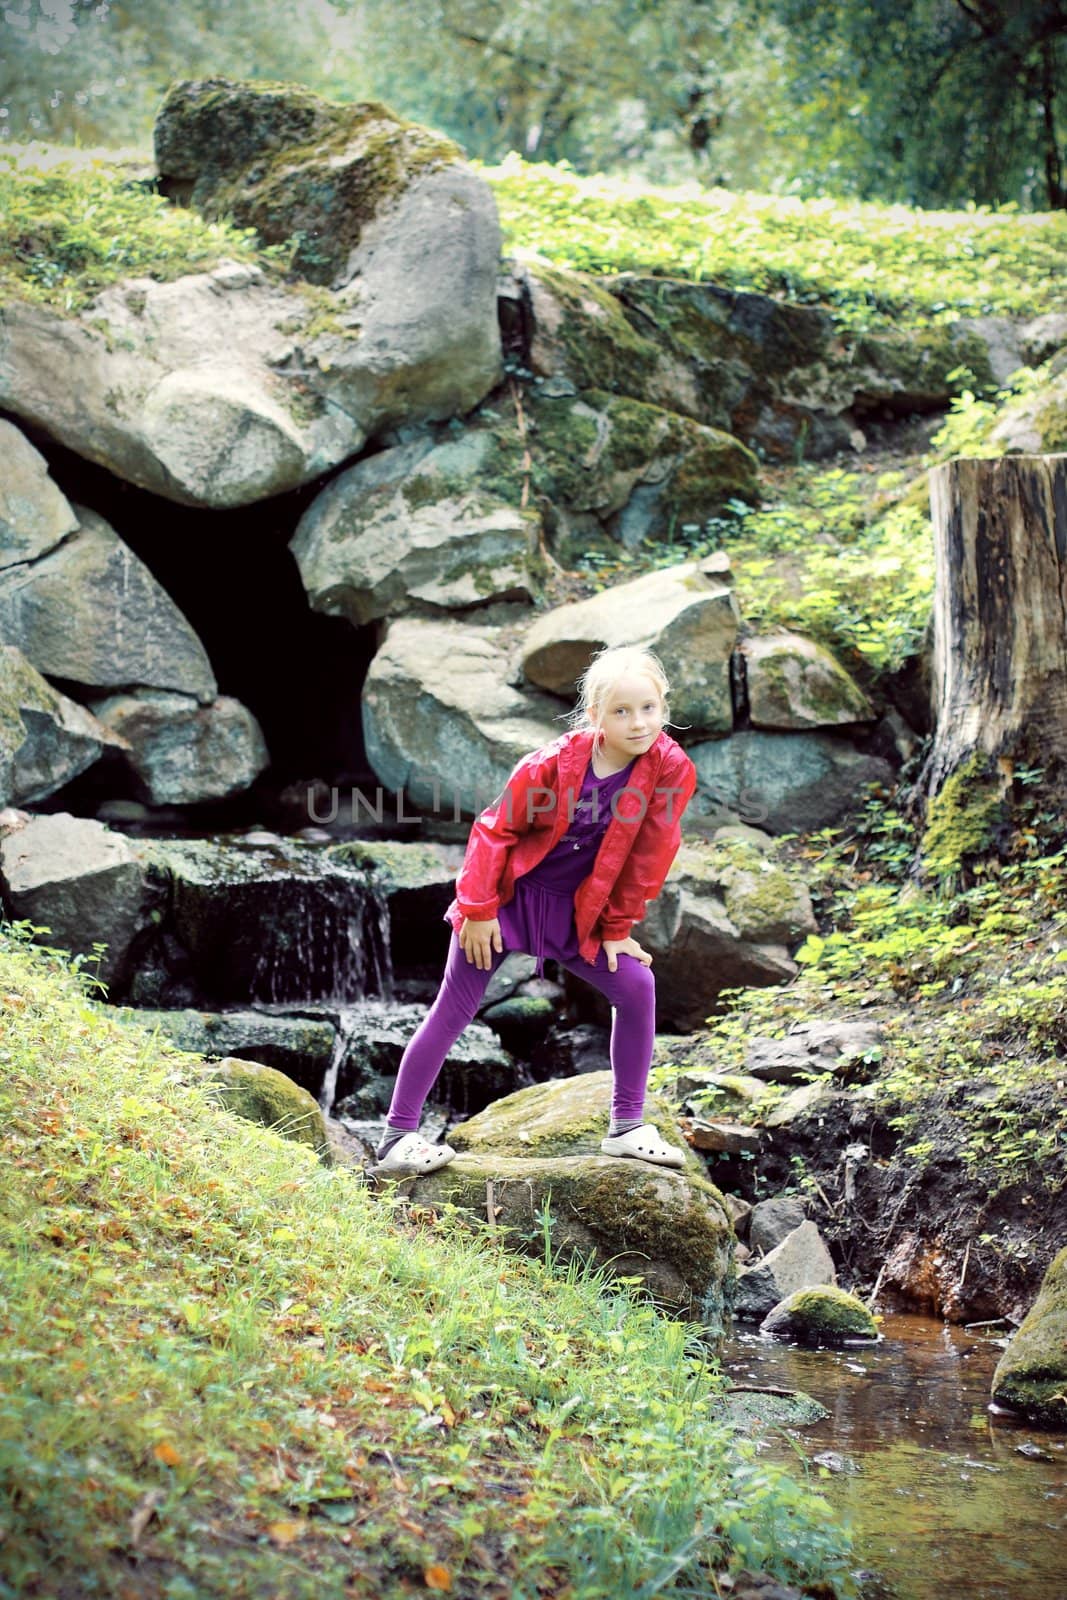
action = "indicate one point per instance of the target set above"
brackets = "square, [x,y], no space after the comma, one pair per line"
[1000,613]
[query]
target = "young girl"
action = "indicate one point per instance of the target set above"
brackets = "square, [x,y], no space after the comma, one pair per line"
[562,866]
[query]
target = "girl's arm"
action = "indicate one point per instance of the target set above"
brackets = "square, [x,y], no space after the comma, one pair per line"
[525,797]
[658,836]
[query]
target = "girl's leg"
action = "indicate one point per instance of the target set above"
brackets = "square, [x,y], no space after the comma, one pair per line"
[462,990]
[631,990]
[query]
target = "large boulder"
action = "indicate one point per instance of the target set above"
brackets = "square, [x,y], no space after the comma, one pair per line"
[418,525]
[226,386]
[181,752]
[785,377]
[724,919]
[300,1047]
[812,1048]
[441,721]
[792,682]
[574,333]
[34,514]
[1031,1375]
[531,1165]
[618,468]
[785,782]
[89,611]
[82,883]
[46,739]
[275,922]
[262,1094]
[687,614]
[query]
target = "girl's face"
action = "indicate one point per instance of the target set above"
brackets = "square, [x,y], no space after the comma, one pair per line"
[630,718]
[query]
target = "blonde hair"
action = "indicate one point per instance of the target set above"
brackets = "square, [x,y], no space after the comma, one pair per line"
[603,673]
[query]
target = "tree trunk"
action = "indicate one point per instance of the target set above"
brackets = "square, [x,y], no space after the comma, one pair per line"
[1000,613]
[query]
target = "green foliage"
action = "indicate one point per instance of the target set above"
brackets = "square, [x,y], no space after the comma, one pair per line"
[967,975]
[833,557]
[228,1365]
[66,232]
[868,263]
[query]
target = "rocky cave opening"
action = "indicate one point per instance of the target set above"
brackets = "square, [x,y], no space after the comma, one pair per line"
[234,578]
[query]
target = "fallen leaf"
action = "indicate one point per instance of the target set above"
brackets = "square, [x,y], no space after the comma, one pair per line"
[285,1532]
[438,1578]
[166,1453]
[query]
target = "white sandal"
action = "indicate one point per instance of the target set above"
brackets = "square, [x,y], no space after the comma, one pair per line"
[411,1155]
[646,1144]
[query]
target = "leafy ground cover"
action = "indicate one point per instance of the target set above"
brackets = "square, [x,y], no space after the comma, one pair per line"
[965,970]
[869,263]
[226,1370]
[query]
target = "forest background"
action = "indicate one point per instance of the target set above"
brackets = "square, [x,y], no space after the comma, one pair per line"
[934,103]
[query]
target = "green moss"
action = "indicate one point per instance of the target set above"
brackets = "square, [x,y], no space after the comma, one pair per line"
[1031,1376]
[395,865]
[823,1315]
[600,350]
[962,815]
[1051,423]
[262,1094]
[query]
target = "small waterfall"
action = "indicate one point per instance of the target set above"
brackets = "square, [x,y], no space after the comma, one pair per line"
[348,1018]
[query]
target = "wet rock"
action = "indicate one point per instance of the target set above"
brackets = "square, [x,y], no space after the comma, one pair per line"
[477,1070]
[46,739]
[1031,1375]
[792,682]
[722,920]
[538,1151]
[441,722]
[832,1461]
[754,1413]
[785,782]
[570,1049]
[181,752]
[739,1212]
[412,883]
[801,1261]
[686,616]
[811,1048]
[824,1315]
[84,884]
[773,1220]
[415,527]
[269,923]
[521,1021]
[299,1047]
[34,514]
[261,1094]
[91,612]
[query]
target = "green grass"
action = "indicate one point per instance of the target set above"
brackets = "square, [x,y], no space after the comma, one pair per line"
[869,263]
[226,1370]
[67,231]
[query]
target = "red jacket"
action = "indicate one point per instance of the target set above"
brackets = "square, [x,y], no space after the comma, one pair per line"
[518,830]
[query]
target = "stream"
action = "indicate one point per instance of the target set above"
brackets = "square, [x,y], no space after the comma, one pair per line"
[944,1498]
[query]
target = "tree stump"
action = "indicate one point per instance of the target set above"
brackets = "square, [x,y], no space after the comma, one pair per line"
[1000,614]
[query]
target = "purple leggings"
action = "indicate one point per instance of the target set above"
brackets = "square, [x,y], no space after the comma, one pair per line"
[631,990]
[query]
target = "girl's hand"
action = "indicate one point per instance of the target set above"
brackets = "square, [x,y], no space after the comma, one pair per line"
[478,940]
[613,948]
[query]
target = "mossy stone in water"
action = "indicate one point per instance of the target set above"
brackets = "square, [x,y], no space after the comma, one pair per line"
[1031,1375]
[825,1315]
[262,1094]
[755,1413]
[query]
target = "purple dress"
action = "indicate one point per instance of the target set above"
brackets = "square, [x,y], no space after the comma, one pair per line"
[539,918]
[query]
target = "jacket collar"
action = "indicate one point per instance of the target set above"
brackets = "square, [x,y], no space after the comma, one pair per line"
[576,748]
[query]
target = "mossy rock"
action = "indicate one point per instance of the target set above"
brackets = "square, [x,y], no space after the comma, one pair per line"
[395,864]
[825,1315]
[753,1413]
[1031,1375]
[262,1094]
[295,167]
[567,1117]
[963,815]
[666,1228]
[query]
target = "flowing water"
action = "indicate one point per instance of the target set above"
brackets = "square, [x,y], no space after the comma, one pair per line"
[940,1497]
